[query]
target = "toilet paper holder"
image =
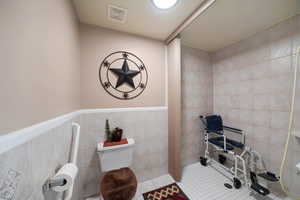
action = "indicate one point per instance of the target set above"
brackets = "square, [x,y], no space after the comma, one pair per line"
[53,183]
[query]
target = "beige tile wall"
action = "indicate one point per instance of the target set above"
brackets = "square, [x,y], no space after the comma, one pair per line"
[197,99]
[253,85]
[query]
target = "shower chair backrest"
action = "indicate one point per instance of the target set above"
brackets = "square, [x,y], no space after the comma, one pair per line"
[214,123]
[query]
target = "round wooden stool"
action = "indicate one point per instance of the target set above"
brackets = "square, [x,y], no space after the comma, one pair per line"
[119,184]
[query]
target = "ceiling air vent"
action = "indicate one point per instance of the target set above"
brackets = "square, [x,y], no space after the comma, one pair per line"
[117,14]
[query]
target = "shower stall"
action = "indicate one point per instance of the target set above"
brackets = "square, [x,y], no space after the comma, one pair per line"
[254,84]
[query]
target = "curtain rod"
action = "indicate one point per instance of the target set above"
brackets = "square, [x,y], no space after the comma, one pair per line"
[201,9]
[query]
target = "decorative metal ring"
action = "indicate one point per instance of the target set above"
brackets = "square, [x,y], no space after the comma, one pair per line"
[123,75]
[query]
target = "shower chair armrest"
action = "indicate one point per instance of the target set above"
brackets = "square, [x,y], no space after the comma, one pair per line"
[236,130]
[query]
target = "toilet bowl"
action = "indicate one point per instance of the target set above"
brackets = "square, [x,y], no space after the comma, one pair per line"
[119,181]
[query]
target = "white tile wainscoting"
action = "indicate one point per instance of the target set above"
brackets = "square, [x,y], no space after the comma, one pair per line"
[148,127]
[35,153]
[35,160]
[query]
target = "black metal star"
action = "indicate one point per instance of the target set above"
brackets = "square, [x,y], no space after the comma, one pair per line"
[125,75]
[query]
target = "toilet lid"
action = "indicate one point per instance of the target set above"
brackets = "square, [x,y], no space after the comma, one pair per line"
[120,184]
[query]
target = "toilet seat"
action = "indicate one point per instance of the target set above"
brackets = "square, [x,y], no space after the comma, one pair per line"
[120,184]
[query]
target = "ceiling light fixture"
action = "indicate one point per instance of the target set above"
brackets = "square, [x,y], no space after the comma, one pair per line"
[164,4]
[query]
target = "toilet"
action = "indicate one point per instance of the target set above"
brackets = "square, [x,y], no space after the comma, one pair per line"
[119,181]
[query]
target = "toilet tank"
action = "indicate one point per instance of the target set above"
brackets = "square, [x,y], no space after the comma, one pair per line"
[115,157]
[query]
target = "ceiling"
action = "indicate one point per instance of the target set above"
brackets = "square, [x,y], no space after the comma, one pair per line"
[224,23]
[143,17]
[230,21]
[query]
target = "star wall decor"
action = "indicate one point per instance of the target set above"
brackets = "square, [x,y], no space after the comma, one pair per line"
[123,75]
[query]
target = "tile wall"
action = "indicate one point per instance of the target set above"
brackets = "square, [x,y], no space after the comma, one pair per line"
[147,127]
[197,99]
[253,87]
[25,169]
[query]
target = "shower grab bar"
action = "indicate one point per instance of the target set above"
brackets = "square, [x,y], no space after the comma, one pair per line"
[73,159]
[75,146]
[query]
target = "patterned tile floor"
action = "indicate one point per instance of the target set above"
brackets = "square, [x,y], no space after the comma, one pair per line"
[201,183]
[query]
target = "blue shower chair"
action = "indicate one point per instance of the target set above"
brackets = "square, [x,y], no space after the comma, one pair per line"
[215,135]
